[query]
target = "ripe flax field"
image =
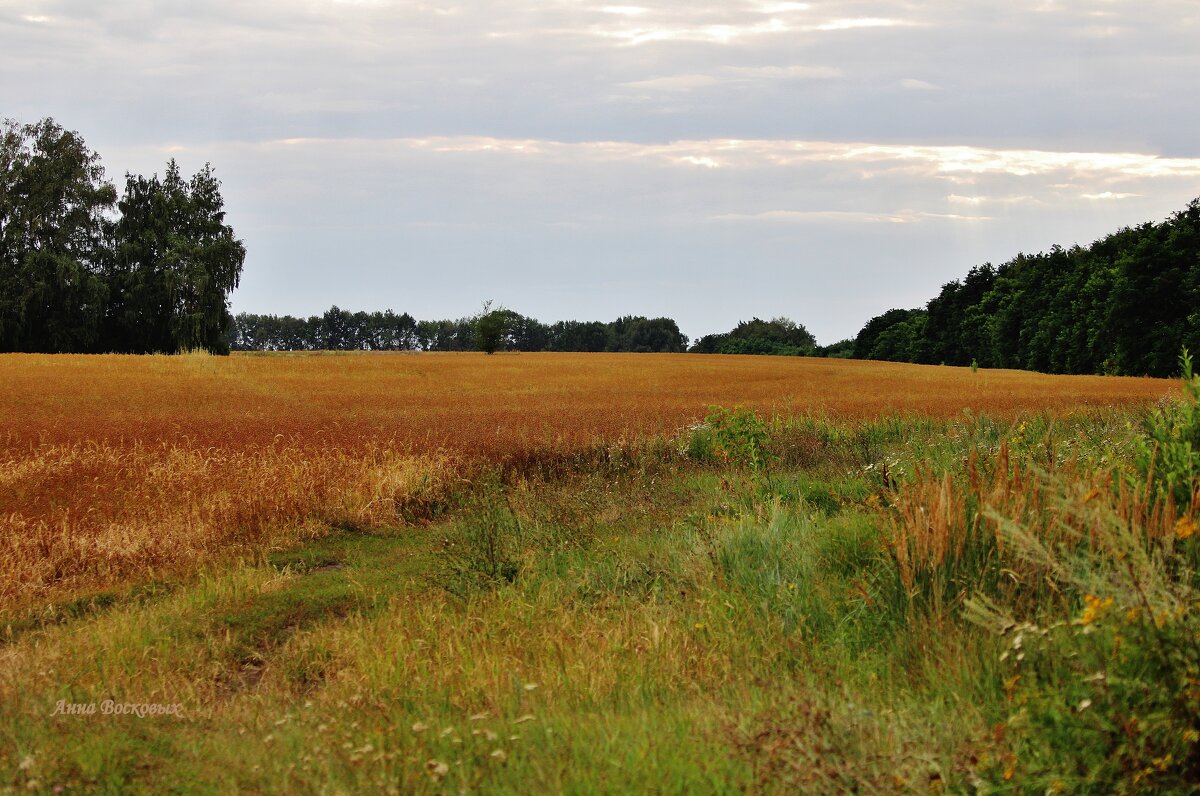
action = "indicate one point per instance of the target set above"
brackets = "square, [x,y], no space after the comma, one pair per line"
[116,467]
[589,573]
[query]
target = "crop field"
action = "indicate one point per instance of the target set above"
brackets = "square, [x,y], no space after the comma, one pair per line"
[492,406]
[118,466]
[347,573]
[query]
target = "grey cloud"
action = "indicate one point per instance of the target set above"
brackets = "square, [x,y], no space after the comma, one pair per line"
[1010,73]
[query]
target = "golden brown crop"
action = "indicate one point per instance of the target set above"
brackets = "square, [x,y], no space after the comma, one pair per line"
[113,467]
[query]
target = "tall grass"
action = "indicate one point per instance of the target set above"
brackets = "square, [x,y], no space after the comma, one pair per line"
[1090,577]
[95,515]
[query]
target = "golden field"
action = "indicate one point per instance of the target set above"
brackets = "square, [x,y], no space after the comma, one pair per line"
[483,405]
[115,468]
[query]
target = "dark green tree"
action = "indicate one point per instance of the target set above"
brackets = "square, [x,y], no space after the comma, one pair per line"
[637,334]
[53,200]
[490,327]
[842,349]
[709,344]
[865,342]
[1153,310]
[522,333]
[1125,304]
[579,336]
[902,342]
[338,331]
[778,336]
[174,265]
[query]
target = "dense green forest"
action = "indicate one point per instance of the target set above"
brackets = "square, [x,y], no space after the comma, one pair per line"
[1123,305]
[74,278]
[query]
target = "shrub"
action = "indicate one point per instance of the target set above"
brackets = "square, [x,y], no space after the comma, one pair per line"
[483,550]
[1168,457]
[1107,701]
[740,437]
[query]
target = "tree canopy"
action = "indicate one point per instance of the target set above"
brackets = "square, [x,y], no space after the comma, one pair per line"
[502,330]
[174,262]
[778,336]
[490,327]
[53,239]
[73,278]
[1126,304]
[151,271]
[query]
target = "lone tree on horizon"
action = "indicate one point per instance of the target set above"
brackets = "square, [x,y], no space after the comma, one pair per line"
[490,327]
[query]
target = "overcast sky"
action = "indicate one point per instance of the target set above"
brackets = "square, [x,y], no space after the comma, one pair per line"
[710,161]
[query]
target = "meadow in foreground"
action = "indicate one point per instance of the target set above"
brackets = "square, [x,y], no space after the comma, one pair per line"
[1001,600]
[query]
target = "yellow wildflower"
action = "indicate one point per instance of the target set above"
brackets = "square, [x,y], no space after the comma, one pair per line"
[1095,608]
[1185,527]
[1010,685]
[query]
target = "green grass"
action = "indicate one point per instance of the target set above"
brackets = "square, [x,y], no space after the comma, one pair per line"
[667,627]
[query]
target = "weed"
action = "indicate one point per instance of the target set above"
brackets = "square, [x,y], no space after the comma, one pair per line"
[483,548]
[1107,699]
[741,438]
[1168,456]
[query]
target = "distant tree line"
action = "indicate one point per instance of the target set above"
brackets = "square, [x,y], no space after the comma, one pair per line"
[1124,305]
[341,330]
[75,277]
[506,330]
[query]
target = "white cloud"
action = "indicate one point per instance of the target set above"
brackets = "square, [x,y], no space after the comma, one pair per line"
[849,216]
[712,34]
[852,23]
[733,75]
[674,83]
[705,161]
[783,8]
[977,200]
[918,85]
[1109,195]
[857,157]
[792,72]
